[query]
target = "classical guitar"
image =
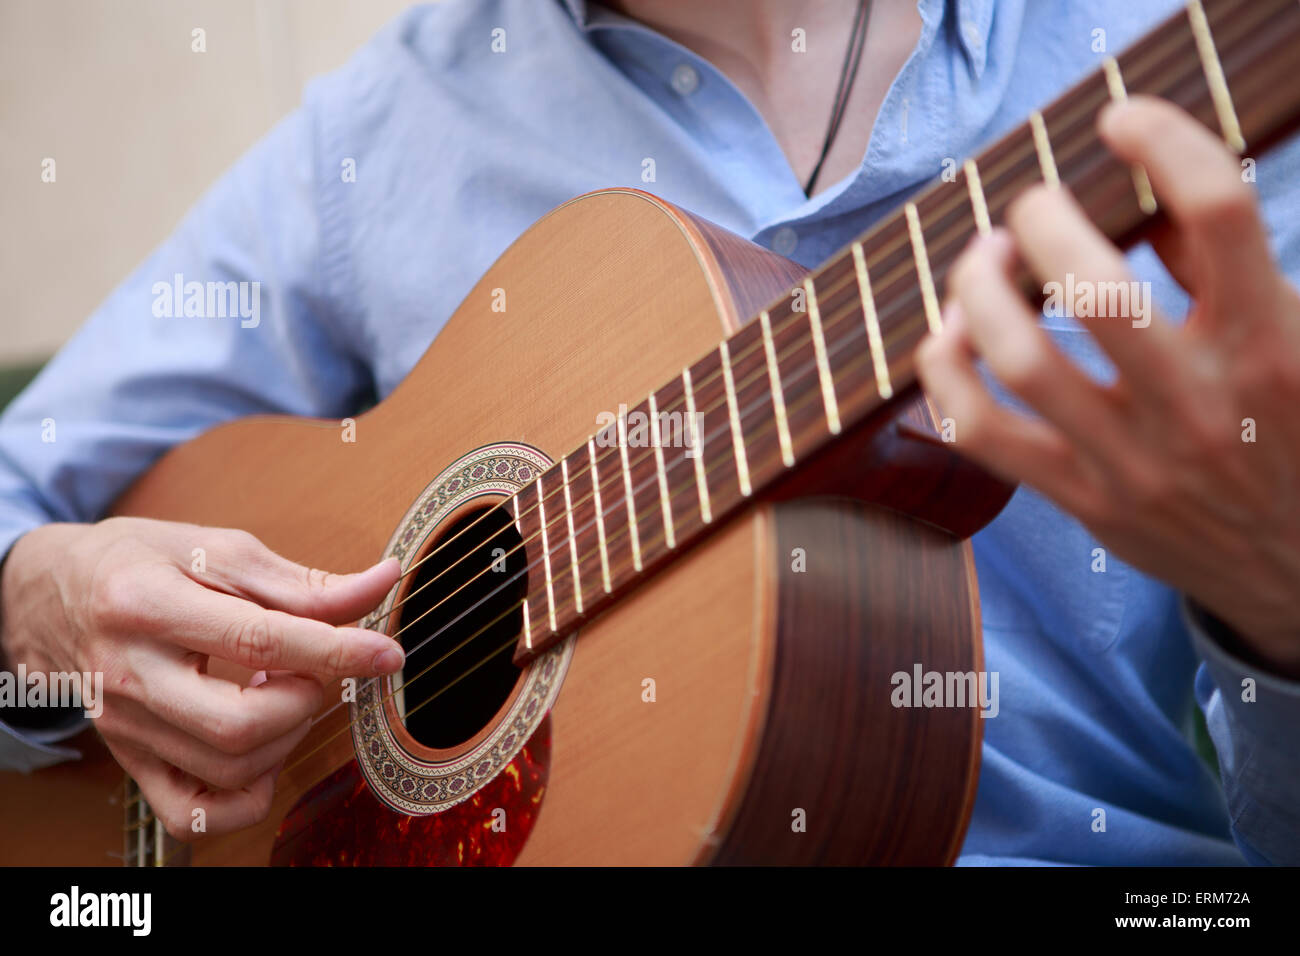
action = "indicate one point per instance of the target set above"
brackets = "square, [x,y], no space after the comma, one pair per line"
[663,633]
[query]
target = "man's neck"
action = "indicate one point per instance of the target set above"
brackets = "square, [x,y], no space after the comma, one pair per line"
[792,78]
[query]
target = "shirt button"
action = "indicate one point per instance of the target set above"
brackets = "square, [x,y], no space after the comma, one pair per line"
[685,79]
[784,240]
[972,34]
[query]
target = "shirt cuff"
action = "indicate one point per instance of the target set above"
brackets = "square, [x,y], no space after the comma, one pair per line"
[1268,707]
[1252,715]
[33,749]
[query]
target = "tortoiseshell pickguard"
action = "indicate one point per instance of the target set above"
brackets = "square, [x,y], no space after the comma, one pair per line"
[340,822]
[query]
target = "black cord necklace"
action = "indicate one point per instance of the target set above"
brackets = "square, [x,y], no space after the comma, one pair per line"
[848,73]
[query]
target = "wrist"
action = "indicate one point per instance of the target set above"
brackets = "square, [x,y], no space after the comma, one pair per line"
[1272,647]
[22,587]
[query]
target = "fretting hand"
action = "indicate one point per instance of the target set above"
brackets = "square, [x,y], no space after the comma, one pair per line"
[1159,465]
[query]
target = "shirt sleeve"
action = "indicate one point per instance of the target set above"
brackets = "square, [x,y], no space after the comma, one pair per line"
[1252,717]
[242,310]
[28,750]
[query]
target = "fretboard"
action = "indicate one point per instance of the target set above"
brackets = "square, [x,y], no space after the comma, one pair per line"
[820,361]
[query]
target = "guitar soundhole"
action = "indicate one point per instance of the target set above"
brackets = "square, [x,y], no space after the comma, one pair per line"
[468,595]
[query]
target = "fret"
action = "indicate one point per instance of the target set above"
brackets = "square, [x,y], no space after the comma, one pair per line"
[682,458]
[560,596]
[142,816]
[628,497]
[1262,80]
[656,438]
[600,514]
[1118,93]
[580,503]
[697,443]
[1043,146]
[737,437]
[1214,78]
[888,254]
[979,208]
[1006,169]
[928,297]
[546,554]
[573,538]
[159,843]
[643,474]
[519,527]
[883,385]
[722,475]
[778,396]
[848,356]
[754,401]
[823,367]
[799,373]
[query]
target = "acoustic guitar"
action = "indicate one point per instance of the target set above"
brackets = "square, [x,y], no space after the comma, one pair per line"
[670,523]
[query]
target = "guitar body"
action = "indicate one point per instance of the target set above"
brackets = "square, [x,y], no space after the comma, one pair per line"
[734,708]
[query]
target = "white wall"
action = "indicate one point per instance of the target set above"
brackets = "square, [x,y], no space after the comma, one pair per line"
[138,126]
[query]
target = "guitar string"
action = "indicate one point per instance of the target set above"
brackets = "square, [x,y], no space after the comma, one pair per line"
[803,401]
[806,398]
[512,640]
[895,333]
[898,332]
[833,323]
[839,282]
[909,325]
[619,532]
[1065,152]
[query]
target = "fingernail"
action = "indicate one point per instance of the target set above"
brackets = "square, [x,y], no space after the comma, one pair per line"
[388,662]
[998,242]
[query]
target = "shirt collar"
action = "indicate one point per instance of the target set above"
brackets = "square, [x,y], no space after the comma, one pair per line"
[974,19]
[577,10]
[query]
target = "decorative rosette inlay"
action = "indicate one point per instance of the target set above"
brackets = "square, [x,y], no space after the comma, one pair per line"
[402,780]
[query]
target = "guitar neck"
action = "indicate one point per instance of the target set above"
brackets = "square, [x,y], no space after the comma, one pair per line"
[821,361]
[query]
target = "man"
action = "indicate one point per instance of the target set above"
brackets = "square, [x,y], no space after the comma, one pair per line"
[464,123]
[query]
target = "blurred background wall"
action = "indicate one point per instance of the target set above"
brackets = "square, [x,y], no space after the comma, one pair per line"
[138,126]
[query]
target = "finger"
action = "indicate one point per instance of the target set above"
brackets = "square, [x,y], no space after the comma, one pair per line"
[1170,244]
[232,719]
[187,808]
[239,564]
[1006,334]
[1089,278]
[1006,443]
[132,723]
[239,631]
[1198,183]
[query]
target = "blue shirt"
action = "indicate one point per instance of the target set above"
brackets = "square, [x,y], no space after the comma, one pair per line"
[368,213]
